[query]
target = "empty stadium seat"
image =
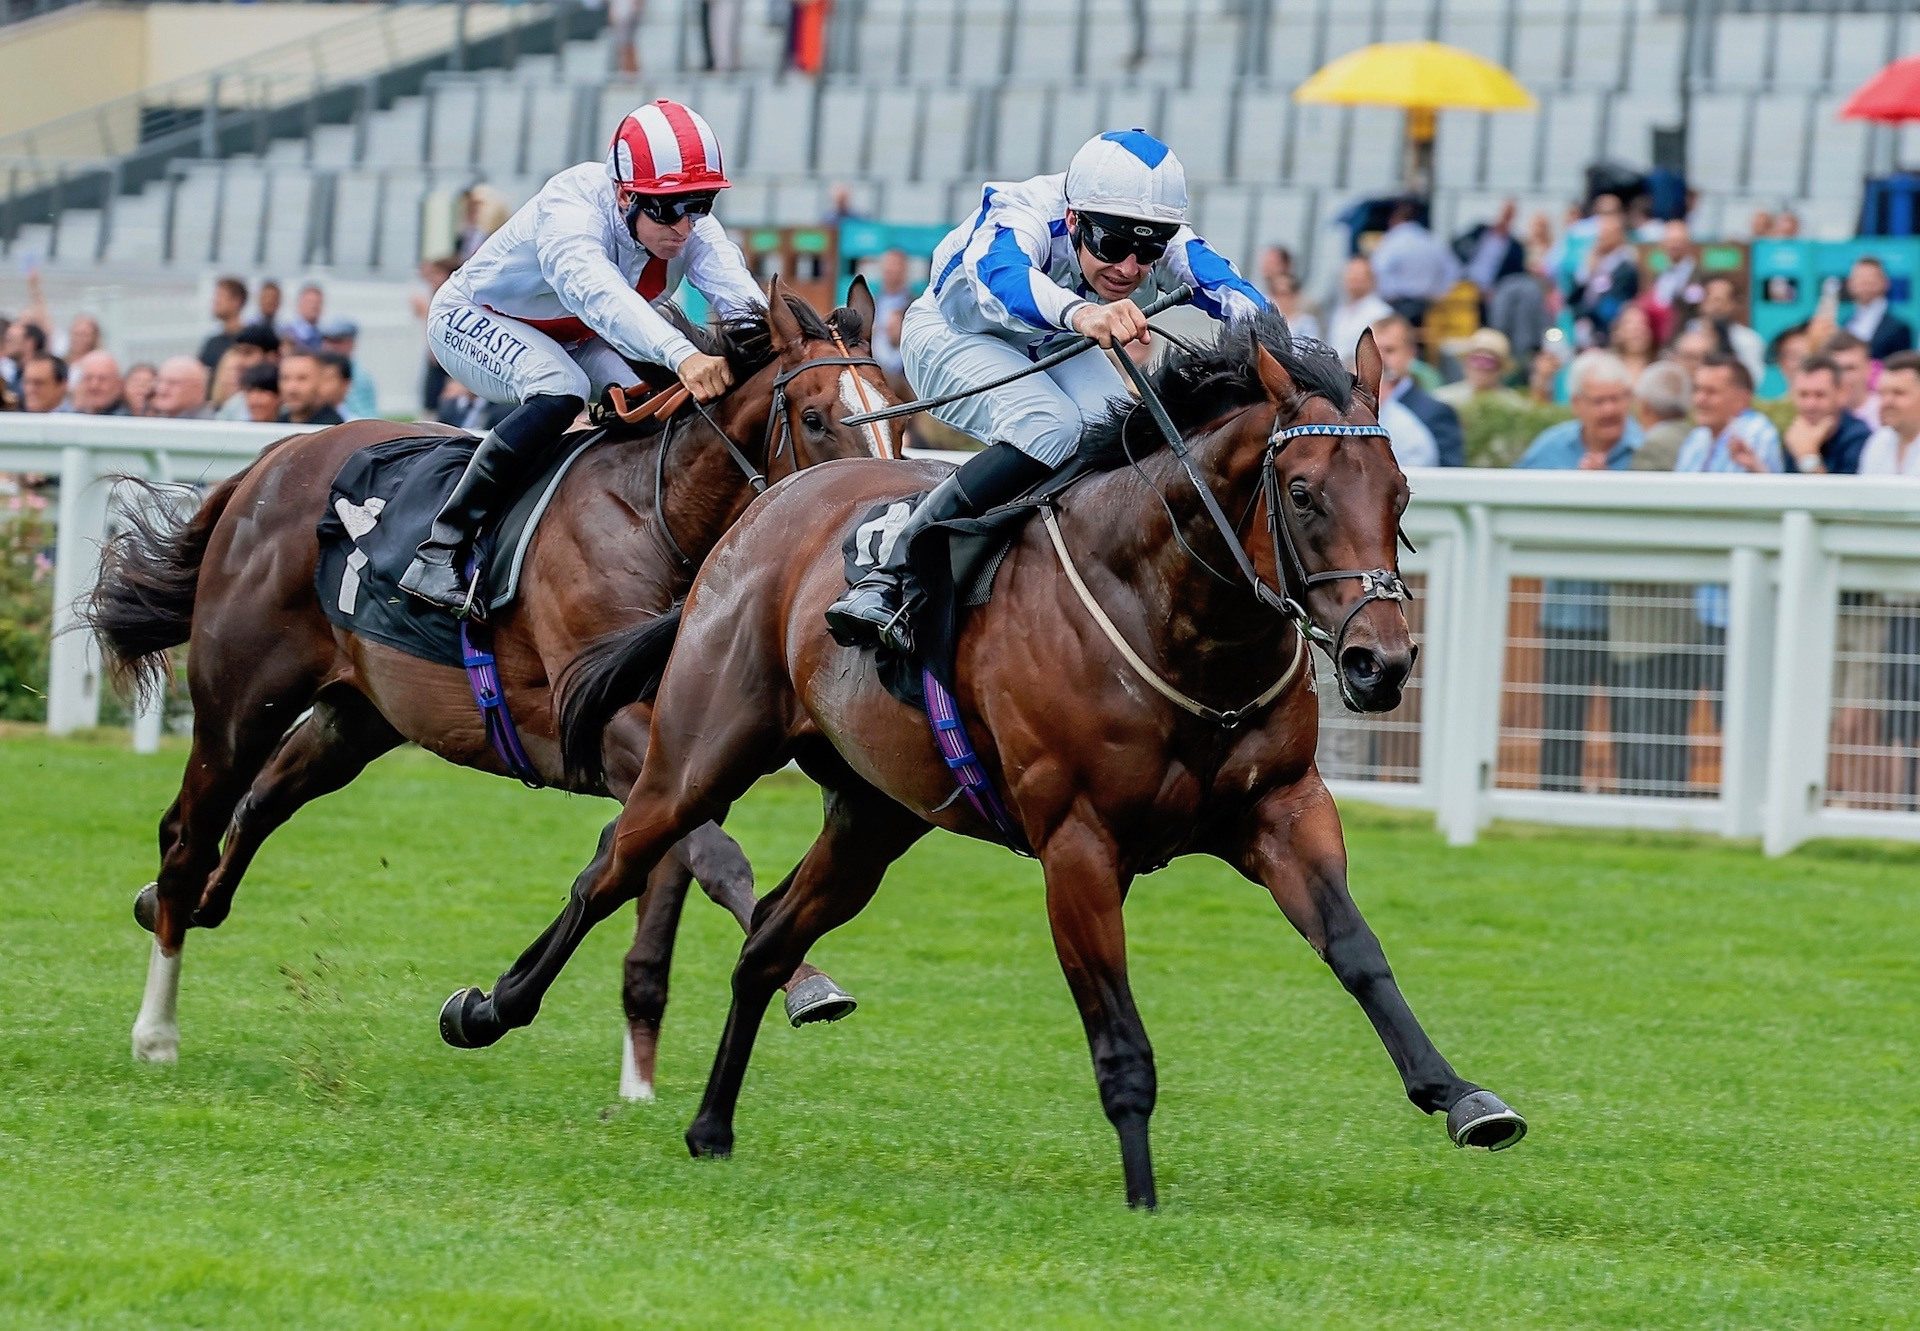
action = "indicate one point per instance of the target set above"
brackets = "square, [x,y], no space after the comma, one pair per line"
[454,123]
[1199,123]
[840,147]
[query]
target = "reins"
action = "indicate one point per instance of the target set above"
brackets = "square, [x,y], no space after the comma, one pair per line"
[1180,295]
[777,414]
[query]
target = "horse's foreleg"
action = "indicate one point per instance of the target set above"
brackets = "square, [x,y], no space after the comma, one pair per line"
[1085,892]
[864,833]
[643,989]
[326,751]
[722,870]
[1296,851]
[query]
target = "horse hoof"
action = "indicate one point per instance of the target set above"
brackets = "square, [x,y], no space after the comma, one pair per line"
[1482,1119]
[146,906]
[156,1044]
[709,1143]
[818,998]
[464,1025]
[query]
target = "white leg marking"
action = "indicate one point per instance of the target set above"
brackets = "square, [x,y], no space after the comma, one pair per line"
[872,399]
[156,1032]
[632,1085]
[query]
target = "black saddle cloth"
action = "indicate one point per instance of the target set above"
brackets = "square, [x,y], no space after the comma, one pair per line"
[955,564]
[380,508]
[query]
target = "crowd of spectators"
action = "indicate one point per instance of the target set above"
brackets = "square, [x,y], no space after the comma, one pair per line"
[1652,357]
[257,364]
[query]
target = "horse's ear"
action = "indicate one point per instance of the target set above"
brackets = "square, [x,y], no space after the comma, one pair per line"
[1275,382]
[860,301]
[1366,366]
[780,318]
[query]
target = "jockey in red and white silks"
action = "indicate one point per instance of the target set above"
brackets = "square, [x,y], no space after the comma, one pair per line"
[552,307]
[1041,260]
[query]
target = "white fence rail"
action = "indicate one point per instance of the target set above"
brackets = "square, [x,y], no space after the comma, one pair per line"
[1573,669]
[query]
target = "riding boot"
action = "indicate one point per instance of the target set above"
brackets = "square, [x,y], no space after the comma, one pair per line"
[501,460]
[874,609]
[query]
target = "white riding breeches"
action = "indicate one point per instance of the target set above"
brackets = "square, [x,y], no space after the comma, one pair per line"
[505,360]
[1042,415]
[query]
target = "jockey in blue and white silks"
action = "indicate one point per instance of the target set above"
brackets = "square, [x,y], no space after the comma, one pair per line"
[1039,261]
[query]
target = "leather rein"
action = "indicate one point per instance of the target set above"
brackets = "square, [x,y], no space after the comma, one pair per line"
[779,415]
[1376,584]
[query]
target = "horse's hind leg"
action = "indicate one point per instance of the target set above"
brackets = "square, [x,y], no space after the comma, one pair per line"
[643,989]
[721,868]
[696,770]
[235,731]
[1296,851]
[865,832]
[327,750]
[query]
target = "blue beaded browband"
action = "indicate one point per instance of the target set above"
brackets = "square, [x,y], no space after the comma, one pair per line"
[1351,431]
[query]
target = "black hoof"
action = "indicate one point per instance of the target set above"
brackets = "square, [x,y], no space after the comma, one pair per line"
[1482,1119]
[709,1143]
[146,907]
[818,998]
[467,1021]
[211,917]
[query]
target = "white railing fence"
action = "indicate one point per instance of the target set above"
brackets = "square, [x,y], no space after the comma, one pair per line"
[1729,654]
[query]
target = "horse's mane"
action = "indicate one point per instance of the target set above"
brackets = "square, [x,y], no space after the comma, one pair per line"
[746,340]
[1208,382]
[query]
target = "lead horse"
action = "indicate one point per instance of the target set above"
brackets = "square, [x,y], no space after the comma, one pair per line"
[620,541]
[1105,778]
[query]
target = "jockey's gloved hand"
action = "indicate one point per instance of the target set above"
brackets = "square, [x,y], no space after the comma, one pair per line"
[706,377]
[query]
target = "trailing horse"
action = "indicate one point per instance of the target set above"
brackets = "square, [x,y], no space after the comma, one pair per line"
[1129,700]
[288,706]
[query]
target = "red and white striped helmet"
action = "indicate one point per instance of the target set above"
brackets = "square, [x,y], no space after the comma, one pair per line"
[664,148]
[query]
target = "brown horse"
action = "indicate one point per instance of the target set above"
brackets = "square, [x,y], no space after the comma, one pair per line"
[236,582]
[1104,778]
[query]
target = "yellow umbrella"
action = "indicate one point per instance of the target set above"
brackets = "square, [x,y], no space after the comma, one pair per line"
[1423,77]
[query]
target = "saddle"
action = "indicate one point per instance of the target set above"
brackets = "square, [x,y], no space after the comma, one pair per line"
[954,566]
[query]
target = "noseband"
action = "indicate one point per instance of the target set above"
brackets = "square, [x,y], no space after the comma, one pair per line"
[779,416]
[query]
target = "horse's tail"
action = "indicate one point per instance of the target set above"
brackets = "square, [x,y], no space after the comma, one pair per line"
[608,674]
[142,605]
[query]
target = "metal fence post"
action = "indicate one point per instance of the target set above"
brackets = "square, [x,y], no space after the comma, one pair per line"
[73,669]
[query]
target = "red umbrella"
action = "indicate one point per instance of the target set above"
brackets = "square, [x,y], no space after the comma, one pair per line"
[1892,96]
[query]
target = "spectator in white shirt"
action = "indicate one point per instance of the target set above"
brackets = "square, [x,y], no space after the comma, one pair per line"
[1894,448]
[1414,444]
[1412,267]
[1360,307]
[1721,308]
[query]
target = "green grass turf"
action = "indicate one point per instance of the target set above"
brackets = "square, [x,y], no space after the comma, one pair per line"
[1716,1053]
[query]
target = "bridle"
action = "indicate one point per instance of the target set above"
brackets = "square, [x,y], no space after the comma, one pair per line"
[779,415]
[1376,584]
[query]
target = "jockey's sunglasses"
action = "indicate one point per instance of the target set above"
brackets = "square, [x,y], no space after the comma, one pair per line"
[1112,239]
[668,209]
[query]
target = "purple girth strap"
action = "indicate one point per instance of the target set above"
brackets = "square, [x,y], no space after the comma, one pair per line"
[951,737]
[492,700]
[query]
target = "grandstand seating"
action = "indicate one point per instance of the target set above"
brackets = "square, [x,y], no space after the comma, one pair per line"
[931,96]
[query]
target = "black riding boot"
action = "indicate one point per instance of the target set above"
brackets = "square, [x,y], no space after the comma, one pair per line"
[873,610]
[503,457]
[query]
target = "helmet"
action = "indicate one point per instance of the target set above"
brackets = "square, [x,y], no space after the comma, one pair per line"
[664,148]
[1128,173]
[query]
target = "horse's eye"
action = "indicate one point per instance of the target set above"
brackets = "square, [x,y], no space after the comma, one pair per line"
[814,420]
[1302,498]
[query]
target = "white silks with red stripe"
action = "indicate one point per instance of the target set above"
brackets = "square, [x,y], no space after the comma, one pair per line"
[664,148]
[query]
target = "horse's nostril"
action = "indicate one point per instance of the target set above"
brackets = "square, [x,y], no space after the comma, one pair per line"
[1362,665]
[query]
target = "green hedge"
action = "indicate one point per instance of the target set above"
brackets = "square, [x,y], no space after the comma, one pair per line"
[26,607]
[1498,431]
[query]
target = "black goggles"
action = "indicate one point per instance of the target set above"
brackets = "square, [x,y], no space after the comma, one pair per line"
[668,209]
[1112,239]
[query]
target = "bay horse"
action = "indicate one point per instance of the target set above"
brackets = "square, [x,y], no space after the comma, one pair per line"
[620,541]
[1103,778]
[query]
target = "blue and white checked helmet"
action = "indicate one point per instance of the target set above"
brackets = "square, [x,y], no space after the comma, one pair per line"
[1128,173]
